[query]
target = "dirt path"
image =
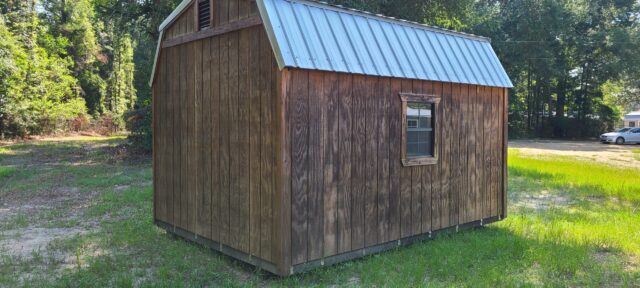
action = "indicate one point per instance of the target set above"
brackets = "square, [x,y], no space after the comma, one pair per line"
[45,190]
[617,155]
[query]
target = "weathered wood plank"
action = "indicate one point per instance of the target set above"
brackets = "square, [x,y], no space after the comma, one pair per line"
[358,171]
[479,131]
[370,162]
[381,92]
[282,205]
[464,195]
[487,150]
[191,19]
[317,106]
[406,224]
[234,9]
[245,8]
[222,12]
[344,163]
[456,157]
[216,138]
[505,158]
[496,151]
[234,142]
[267,148]
[437,169]
[416,182]
[255,132]
[299,93]
[184,139]
[175,135]
[203,158]
[225,133]
[428,88]
[447,177]
[192,166]
[242,125]
[395,127]
[472,129]
[205,143]
[167,141]
[331,134]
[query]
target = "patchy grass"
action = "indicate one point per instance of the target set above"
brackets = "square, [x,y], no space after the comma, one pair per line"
[636,154]
[570,223]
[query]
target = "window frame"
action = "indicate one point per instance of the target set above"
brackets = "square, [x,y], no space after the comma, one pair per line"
[434,100]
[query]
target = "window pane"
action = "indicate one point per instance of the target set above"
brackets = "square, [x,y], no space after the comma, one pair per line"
[419,129]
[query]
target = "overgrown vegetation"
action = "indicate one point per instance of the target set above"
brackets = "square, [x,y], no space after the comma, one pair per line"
[64,63]
[571,223]
[74,65]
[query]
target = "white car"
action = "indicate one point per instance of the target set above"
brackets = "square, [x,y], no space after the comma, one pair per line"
[621,136]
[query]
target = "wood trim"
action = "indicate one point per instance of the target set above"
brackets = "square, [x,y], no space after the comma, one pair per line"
[426,160]
[220,247]
[223,29]
[282,255]
[428,98]
[379,248]
[196,15]
[505,151]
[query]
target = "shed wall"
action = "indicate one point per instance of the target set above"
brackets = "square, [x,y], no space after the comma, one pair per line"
[223,12]
[214,150]
[348,187]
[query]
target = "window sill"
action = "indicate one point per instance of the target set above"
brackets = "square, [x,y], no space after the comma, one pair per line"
[420,161]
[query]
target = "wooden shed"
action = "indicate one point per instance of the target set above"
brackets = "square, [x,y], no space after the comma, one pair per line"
[292,134]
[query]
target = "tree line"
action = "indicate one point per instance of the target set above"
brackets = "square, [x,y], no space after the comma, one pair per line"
[65,63]
[575,64]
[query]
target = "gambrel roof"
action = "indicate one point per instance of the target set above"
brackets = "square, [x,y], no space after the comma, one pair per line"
[318,36]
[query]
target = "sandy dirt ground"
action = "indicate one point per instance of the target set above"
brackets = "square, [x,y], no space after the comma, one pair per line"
[616,155]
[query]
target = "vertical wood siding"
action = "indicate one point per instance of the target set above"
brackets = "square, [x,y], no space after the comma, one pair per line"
[214,140]
[224,11]
[349,189]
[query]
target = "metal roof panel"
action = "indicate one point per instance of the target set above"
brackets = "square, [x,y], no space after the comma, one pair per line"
[318,36]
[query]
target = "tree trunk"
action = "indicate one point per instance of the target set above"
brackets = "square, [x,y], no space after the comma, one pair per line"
[558,129]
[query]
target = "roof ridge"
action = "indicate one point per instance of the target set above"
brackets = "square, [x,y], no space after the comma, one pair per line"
[391,19]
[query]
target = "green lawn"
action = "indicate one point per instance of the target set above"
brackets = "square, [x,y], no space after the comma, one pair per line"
[570,223]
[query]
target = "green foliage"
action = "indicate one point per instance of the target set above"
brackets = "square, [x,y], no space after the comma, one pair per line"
[39,93]
[560,56]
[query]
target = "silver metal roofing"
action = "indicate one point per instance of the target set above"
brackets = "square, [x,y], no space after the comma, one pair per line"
[318,36]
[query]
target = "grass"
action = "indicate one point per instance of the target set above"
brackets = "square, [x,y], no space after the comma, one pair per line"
[570,223]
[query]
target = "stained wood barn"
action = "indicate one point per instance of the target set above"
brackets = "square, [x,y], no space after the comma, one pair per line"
[292,134]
